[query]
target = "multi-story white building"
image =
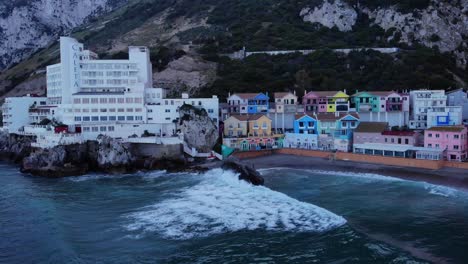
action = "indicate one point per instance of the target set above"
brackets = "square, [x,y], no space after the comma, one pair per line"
[429,108]
[15,111]
[112,97]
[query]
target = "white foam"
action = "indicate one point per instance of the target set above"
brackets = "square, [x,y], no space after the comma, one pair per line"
[93,177]
[440,190]
[367,176]
[221,203]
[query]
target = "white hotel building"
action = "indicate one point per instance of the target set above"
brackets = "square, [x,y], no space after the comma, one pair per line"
[112,97]
[429,108]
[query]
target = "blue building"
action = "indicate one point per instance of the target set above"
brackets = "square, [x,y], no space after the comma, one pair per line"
[258,104]
[305,124]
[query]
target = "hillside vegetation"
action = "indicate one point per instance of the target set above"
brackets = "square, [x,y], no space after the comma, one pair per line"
[228,25]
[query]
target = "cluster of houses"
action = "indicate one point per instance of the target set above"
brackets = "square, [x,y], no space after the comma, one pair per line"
[87,97]
[422,124]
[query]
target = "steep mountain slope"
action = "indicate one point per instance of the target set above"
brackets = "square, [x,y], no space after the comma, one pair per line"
[26,26]
[432,37]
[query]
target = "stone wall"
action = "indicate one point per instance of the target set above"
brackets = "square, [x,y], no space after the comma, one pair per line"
[157,151]
[391,161]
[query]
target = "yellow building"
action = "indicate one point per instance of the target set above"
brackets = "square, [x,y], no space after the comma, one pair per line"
[338,102]
[236,126]
[259,125]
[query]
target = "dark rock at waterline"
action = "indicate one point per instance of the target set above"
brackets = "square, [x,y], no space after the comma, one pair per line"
[247,172]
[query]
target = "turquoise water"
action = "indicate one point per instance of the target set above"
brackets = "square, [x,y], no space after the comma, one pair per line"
[299,217]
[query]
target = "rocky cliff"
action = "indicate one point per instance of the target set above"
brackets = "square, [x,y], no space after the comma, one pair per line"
[26,26]
[441,23]
[200,132]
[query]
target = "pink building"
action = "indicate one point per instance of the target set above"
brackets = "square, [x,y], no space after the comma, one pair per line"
[377,132]
[453,139]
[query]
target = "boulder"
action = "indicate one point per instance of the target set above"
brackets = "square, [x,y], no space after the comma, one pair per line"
[200,132]
[246,172]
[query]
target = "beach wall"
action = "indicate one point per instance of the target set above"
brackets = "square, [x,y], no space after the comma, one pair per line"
[458,165]
[304,152]
[253,154]
[402,162]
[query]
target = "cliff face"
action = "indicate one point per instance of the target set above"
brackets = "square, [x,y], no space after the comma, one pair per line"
[27,26]
[442,23]
[200,132]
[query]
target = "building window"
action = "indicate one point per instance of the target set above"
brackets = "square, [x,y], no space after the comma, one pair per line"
[111,100]
[77,118]
[120,100]
[103,118]
[86,129]
[129,100]
[110,128]
[130,110]
[129,118]
[406,141]
[103,110]
[168,110]
[112,118]
[103,129]
[430,135]
[94,110]
[455,147]
[121,118]
[120,110]
[386,140]
[85,100]
[94,129]
[103,100]
[210,111]
[94,100]
[437,135]
[94,118]
[86,118]
[77,101]
[456,136]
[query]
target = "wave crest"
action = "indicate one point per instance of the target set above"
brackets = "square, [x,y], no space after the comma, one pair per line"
[221,203]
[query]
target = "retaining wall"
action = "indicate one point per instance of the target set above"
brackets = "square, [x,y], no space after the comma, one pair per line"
[402,162]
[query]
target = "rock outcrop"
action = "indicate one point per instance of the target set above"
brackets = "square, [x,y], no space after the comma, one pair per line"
[105,154]
[200,132]
[14,147]
[331,14]
[246,172]
[26,26]
[188,72]
[442,23]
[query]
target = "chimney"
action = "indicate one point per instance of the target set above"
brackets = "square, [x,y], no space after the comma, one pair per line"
[344,90]
[305,92]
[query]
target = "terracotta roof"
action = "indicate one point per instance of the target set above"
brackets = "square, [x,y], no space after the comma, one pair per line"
[257,116]
[334,117]
[241,117]
[371,127]
[281,95]
[248,117]
[246,95]
[447,128]
[382,93]
[399,133]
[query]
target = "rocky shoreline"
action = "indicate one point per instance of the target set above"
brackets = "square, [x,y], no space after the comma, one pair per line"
[105,155]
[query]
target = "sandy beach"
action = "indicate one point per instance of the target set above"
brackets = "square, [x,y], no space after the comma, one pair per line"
[447,176]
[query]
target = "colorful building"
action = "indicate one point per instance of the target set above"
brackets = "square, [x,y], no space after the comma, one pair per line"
[385,106]
[305,133]
[452,139]
[378,132]
[248,103]
[250,132]
[326,102]
[429,108]
[336,130]
[285,102]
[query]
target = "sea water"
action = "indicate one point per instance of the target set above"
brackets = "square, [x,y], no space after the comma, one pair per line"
[300,216]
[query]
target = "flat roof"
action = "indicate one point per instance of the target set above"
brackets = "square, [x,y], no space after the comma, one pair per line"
[99,93]
[395,147]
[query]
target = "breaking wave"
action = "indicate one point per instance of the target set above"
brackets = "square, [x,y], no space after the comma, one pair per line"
[221,203]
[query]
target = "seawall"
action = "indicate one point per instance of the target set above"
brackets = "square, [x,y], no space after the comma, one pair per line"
[391,161]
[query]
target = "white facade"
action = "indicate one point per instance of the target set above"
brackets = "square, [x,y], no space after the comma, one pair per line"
[15,111]
[444,116]
[421,101]
[93,97]
[302,141]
